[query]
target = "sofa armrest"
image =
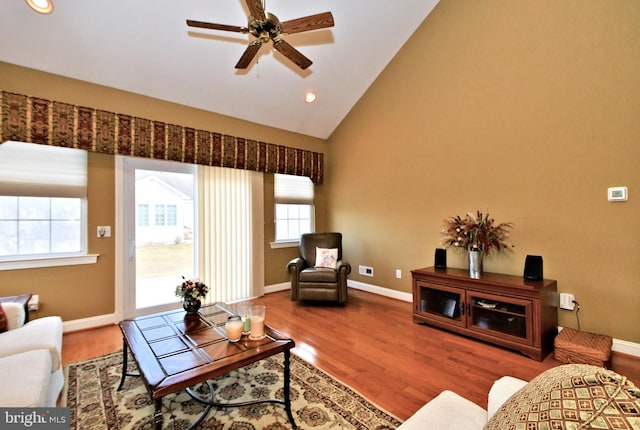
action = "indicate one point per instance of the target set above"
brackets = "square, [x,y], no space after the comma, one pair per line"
[15,315]
[41,333]
[445,412]
[500,392]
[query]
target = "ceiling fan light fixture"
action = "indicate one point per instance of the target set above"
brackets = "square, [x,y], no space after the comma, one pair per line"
[41,6]
[310,96]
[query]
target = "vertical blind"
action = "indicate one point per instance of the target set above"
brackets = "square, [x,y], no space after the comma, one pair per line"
[30,169]
[230,216]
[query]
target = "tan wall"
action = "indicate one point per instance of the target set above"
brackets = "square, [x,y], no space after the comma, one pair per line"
[528,110]
[83,291]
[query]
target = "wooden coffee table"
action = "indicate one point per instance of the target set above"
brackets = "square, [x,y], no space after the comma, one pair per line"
[175,351]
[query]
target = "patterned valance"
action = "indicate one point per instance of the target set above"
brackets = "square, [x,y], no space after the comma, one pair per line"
[35,120]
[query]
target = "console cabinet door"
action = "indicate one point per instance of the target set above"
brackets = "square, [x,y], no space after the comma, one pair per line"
[506,317]
[440,303]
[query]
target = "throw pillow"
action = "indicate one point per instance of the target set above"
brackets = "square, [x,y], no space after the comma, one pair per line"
[4,323]
[572,396]
[326,257]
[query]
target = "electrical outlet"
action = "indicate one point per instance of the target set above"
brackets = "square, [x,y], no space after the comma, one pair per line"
[365,270]
[566,301]
[398,273]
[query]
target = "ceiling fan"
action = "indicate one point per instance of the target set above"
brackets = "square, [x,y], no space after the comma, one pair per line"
[265,26]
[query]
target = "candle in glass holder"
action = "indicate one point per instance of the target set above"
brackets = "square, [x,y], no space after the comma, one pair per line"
[243,311]
[233,328]
[257,322]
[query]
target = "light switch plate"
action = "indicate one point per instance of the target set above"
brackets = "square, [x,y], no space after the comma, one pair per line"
[617,194]
[104,231]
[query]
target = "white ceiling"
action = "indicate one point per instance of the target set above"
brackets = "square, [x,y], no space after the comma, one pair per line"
[145,47]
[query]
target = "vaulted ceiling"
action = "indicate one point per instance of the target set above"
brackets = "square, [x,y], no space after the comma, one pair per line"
[145,47]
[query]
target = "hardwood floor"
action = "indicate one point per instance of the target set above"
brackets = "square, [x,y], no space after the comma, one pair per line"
[372,345]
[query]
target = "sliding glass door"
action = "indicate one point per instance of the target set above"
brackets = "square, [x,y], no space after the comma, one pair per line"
[160,233]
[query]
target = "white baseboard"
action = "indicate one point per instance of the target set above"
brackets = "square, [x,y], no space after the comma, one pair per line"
[621,346]
[277,287]
[87,323]
[398,295]
[626,347]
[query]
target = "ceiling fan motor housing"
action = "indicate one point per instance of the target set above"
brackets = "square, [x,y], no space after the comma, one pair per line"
[265,30]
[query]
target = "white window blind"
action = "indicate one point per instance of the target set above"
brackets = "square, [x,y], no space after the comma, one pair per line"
[34,170]
[231,214]
[290,189]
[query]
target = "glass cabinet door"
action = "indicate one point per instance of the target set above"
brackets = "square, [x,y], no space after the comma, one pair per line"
[442,302]
[508,316]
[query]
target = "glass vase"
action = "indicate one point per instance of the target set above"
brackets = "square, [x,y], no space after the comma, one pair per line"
[191,305]
[475,263]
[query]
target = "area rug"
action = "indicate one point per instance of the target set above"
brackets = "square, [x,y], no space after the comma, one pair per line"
[318,401]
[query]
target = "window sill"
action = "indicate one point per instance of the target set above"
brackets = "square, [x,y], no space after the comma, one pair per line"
[285,244]
[35,263]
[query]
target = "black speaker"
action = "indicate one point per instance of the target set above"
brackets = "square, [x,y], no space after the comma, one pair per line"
[441,258]
[533,268]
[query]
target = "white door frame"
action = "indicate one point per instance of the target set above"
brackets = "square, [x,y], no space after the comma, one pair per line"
[125,229]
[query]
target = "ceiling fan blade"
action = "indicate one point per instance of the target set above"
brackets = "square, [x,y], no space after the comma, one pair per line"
[211,26]
[308,23]
[291,53]
[256,9]
[248,54]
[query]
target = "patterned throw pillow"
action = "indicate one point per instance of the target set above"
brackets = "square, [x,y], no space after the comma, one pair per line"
[571,397]
[326,257]
[4,323]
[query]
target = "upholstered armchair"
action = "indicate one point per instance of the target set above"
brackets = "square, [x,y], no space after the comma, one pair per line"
[319,273]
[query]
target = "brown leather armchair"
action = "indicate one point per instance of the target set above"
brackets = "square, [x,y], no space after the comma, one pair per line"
[310,282]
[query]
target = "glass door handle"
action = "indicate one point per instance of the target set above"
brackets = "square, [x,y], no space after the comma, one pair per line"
[132,248]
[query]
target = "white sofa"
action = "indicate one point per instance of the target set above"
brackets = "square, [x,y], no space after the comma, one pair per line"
[30,361]
[450,411]
[568,396]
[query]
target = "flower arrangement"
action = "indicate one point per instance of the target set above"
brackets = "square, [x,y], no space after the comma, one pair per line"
[475,232]
[191,288]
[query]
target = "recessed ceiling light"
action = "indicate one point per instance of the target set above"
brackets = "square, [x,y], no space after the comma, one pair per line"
[41,6]
[310,97]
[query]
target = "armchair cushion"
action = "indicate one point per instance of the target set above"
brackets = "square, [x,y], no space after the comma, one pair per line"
[326,257]
[319,274]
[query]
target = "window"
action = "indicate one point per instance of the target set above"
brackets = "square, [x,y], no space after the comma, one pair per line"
[294,211]
[172,215]
[159,215]
[39,225]
[42,201]
[143,215]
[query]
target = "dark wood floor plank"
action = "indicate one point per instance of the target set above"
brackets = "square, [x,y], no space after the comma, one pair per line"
[372,345]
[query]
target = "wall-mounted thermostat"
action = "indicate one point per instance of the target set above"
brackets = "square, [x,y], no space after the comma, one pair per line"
[617,194]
